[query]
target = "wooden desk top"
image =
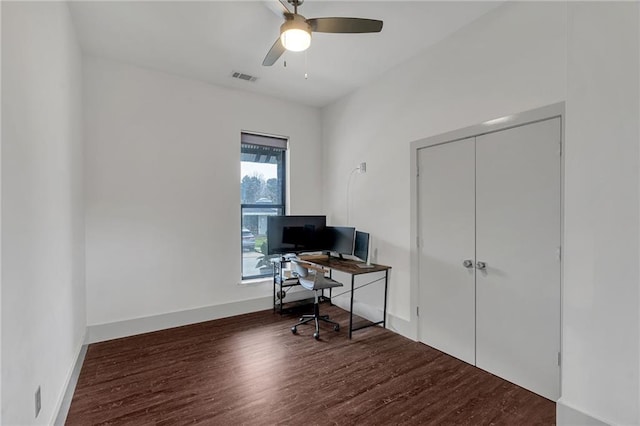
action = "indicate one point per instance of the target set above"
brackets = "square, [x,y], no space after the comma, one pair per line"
[343,265]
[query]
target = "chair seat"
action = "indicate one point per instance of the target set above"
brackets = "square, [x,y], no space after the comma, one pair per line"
[310,283]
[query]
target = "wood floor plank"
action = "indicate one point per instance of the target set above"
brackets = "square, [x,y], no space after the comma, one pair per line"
[252,370]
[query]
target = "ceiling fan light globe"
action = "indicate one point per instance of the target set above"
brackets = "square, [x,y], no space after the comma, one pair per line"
[296,40]
[295,34]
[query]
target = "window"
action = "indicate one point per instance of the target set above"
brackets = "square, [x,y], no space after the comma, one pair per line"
[262,189]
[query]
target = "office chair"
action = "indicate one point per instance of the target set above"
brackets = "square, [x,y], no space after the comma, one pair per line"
[316,281]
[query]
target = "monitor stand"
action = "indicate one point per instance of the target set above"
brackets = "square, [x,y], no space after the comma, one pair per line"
[339,256]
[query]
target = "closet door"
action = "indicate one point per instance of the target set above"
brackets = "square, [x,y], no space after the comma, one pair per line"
[518,237]
[446,231]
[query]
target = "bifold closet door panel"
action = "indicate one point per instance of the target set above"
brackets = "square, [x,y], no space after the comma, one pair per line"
[518,237]
[446,230]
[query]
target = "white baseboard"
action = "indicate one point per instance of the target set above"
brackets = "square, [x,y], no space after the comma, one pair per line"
[571,416]
[70,388]
[102,332]
[115,330]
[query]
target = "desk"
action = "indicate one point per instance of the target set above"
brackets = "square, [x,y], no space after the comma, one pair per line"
[350,267]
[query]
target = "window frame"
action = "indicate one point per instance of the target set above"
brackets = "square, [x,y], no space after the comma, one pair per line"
[270,142]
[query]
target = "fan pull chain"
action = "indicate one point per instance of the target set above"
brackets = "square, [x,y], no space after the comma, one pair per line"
[306,75]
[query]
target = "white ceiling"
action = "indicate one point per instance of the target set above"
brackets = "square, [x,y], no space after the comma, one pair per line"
[207,40]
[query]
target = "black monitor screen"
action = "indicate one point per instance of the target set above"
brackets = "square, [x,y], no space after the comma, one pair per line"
[295,234]
[361,246]
[339,239]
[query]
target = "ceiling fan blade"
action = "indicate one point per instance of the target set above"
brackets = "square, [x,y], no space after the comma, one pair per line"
[277,7]
[274,53]
[345,25]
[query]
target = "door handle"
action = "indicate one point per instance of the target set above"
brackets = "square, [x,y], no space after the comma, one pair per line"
[468,263]
[481,265]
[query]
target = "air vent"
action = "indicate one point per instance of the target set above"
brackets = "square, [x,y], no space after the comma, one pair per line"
[242,76]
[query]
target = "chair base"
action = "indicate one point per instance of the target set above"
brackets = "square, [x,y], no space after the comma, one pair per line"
[316,318]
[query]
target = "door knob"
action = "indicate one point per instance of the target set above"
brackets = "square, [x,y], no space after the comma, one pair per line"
[481,265]
[468,263]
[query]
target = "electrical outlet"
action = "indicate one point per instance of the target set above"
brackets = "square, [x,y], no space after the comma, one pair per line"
[38,401]
[363,167]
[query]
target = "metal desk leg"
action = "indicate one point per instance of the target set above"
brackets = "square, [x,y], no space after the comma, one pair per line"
[351,309]
[384,311]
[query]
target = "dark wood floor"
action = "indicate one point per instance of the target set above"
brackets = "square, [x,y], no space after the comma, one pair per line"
[252,370]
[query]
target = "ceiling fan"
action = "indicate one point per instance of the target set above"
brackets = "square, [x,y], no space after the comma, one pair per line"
[295,33]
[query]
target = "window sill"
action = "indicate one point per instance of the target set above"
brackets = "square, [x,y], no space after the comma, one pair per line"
[256,281]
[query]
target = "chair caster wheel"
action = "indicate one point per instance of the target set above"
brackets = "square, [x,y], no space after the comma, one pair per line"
[294,329]
[316,336]
[336,328]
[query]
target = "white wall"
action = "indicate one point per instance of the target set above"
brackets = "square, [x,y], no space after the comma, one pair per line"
[516,58]
[510,60]
[162,170]
[601,320]
[43,294]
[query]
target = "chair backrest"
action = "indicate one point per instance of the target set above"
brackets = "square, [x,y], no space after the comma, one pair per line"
[308,279]
[300,270]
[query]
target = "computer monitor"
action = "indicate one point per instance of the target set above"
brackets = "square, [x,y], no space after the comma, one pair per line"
[361,246]
[295,234]
[339,239]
